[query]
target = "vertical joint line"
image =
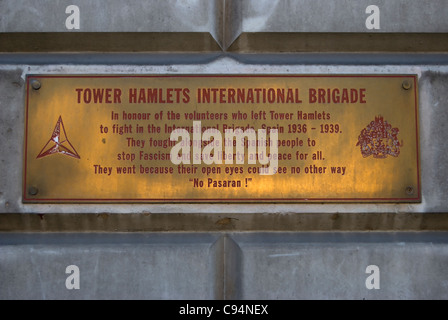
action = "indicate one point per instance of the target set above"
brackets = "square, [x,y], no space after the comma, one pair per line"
[224,278]
[224,39]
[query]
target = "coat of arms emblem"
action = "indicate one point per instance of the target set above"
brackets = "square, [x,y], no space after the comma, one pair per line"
[379,139]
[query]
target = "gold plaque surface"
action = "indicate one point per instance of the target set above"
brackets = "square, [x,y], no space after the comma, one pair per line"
[221,138]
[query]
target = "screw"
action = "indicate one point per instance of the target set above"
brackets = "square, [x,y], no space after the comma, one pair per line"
[406,85]
[35,84]
[410,190]
[33,191]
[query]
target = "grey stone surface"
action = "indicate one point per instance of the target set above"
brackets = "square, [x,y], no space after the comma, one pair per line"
[110,267]
[434,125]
[224,20]
[11,135]
[342,16]
[239,16]
[108,16]
[326,266]
[254,266]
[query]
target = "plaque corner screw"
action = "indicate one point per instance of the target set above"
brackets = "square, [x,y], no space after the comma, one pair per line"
[409,190]
[33,190]
[406,85]
[36,84]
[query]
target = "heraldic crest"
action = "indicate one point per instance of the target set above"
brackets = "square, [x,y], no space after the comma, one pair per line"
[379,139]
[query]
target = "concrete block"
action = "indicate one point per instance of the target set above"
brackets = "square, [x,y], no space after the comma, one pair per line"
[108,16]
[105,26]
[333,266]
[342,16]
[132,266]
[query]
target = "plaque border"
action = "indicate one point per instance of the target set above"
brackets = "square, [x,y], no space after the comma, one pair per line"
[416,199]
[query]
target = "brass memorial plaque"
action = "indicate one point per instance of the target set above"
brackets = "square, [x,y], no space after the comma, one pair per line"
[221,138]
